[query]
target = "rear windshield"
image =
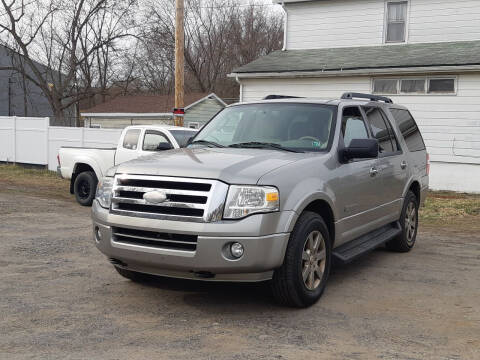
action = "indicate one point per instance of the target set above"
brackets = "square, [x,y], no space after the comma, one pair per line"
[302,127]
[409,129]
[182,136]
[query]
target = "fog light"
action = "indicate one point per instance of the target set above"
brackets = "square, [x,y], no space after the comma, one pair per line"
[237,250]
[98,234]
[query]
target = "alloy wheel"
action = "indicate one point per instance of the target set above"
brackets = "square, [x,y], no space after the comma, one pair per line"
[313,260]
[410,222]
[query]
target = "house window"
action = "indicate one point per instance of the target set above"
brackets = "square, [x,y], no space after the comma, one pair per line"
[194,125]
[409,86]
[436,86]
[414,86]
[396,27]
[385,86]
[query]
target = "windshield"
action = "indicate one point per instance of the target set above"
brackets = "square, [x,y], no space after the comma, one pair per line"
[182,136]
[288,126]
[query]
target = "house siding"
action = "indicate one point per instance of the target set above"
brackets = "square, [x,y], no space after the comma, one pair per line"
[202,112]
[450,124]
[19,101]
[348,23]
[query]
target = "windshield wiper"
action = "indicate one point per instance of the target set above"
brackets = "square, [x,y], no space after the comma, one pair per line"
[206,142]
[263,145]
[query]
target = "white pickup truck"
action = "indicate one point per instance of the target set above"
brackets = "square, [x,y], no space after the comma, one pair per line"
[84,166]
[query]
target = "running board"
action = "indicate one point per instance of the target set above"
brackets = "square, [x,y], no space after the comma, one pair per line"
[350,251]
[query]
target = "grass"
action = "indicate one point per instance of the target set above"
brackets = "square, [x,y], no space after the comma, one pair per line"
[441,208]
[444,208]
[34,181]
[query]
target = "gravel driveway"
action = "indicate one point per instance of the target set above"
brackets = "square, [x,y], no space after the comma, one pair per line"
[60,299]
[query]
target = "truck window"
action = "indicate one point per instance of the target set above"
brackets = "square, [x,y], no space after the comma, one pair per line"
[380,130]
[130,140]
[393,137]
[409,129]
[300,127]
[353,126]
[153,139]
[182,136]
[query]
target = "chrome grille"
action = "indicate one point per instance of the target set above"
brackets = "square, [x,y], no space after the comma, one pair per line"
[154,239]
[198,200]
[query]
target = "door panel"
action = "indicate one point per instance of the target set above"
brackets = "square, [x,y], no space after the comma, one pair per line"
[358,197]
[391,162]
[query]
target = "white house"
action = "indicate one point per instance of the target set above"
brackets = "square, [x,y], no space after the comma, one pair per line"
[423,54]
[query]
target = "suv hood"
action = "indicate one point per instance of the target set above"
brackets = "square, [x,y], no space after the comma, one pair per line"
[237,166]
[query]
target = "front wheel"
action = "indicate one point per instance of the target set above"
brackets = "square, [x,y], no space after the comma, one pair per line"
[84,187]
[302,278]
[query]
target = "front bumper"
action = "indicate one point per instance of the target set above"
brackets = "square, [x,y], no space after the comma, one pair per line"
[264,237]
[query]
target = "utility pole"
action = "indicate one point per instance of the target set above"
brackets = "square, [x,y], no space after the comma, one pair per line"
[179,59]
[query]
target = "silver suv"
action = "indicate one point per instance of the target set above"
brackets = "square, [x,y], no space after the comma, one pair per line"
[271,190]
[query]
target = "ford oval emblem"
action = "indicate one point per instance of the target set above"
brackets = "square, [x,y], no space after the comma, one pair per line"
[155,197]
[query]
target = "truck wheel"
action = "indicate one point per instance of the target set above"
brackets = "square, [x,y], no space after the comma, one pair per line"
[409,224]
[301,280]
[128,274]
[84,187]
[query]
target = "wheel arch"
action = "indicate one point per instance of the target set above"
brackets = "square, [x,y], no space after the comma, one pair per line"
[414,186]
[80,167]
[323,206]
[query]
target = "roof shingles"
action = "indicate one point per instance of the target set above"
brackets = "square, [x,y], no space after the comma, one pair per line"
[368,57]
[142,104]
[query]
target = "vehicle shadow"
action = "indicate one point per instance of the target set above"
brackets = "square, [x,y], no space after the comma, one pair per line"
[226,296]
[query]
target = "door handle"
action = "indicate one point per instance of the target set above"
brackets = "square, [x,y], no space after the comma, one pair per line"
[403,165]
[373,172]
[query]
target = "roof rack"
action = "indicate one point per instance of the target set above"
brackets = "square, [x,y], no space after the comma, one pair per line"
[276,97]
[351,95]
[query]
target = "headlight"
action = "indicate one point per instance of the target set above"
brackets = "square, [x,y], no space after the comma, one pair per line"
[245,200]
[104,192]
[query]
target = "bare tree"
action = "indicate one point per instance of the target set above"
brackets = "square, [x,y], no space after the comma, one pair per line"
[219,36]
[65,47]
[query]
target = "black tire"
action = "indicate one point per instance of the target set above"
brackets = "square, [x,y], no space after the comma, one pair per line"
[130,275]
[288,285]
[406,240]
[84,188]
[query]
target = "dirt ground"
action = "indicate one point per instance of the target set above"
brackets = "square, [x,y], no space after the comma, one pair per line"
[61,299]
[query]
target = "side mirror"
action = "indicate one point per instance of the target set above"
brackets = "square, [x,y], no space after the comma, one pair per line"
[360,149]
[164,146]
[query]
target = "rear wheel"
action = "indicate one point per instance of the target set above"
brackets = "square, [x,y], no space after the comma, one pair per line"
[302,278]
[84,187]
[409,224]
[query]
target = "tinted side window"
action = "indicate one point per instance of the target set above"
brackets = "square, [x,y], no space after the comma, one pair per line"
[130,140]
[182,136]
[409,129]
[153,139]
[396,146]
[379,129]
[353,126]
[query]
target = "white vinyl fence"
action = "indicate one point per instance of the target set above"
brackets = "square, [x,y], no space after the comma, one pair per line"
[32,141]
